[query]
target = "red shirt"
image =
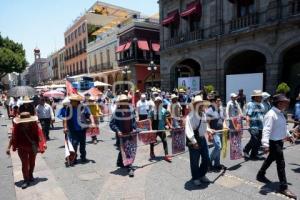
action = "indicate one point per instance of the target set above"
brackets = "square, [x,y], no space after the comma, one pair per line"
[19,138]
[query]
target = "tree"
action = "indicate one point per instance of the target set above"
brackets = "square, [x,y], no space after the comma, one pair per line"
[12,57]
[283,88]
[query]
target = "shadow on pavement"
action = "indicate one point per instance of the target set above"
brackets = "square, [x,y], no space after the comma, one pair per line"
[35,182]
[297,170]
[190,186]
[120,172]
[270,187]
[56,128]
[236,167]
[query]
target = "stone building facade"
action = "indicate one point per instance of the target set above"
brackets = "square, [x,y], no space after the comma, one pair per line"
[35,70]
[215,38]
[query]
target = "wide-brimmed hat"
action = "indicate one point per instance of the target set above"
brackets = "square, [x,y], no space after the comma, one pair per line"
[25,117]
[174,96]
[66,101]
[26,99]
[280,98]
[92,98]
[266,95]
[257,93]
[123,97]
[198,99]
[75,97]
[157,99]
[181,90]
[233,95]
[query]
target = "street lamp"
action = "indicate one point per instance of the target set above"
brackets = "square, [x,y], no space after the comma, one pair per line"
[126,71]
[152,67]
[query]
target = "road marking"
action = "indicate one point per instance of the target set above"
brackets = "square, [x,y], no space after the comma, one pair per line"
[47,187]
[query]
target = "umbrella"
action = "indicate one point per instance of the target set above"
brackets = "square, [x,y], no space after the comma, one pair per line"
[93,92]
[98,83]
[41,87]
[54,94]
[21,91]
[61,89]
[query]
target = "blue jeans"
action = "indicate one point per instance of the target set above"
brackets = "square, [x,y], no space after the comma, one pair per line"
[78,138]
[196,170]
[215,155]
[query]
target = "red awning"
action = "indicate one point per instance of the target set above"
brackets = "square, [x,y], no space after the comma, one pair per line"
[155,47]
[242,2]
[127,46]
[120,48]
[193,8]
[171,18]
[143,45]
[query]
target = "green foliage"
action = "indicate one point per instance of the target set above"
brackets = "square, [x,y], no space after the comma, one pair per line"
[283,88]
[91,28]
[12,57]
[209,88]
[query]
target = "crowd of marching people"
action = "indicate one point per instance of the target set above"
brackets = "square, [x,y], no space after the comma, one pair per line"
[201,117]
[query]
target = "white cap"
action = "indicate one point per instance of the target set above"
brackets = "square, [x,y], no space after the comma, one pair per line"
[234,95]
[143,96]
[66,101]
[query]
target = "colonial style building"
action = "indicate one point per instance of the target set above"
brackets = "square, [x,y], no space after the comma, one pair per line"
[36,69]
[58,65]
[213,39]
[102,57]
[138,52]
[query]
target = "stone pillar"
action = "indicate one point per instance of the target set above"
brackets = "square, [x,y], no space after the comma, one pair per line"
[271,77]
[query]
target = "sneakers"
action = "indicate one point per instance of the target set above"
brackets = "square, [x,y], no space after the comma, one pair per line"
[197,182]
[168,158]
[204,179]
[246,155]
[25,185]
[288,193]
[262,178]
[131,173]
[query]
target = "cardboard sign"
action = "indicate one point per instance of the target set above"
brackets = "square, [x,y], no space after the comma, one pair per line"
[178,140]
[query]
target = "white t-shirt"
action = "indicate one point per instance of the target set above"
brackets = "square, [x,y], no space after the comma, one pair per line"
[142,107]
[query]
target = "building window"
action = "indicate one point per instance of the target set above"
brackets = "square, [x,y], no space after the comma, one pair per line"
[173,30]
[101,59]
[108,57]
[81,68]
[95,62]
[83,27]
[79,30]
[85,65]
[77,67]
[76,48]
[194,24]
[84,44]
[75,33]
[66,41]
[80,45]
[245,9]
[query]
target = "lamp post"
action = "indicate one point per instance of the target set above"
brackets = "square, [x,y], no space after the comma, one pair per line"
[152,67]
[126,71]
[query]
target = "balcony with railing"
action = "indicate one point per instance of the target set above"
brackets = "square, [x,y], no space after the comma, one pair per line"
[183,38]
[276,11]
[243,22]
[139,59]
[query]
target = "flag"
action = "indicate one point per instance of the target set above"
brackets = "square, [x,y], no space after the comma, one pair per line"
[70,154]
[70,88]
[236,151]
[224,143]
[178,140]
[128,148]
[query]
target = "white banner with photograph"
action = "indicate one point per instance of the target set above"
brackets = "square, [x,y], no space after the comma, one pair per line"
[190,82]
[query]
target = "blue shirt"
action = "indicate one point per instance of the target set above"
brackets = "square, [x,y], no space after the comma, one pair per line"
[75,119]
[159,119]
[297,111]
[256,113]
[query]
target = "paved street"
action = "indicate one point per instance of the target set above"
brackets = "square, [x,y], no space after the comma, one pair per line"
[100,179]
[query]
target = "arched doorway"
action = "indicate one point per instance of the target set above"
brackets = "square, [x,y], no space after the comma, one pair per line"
[185,72]
[290,70]
[245,70]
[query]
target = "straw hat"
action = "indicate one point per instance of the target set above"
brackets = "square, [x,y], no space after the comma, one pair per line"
[265,95]
[233,95]
[174,96]
[198,99]
[257,93]
[66,101]
[181,90]
[91,98]
[75,97]
[26,99]
[123,97]
[25,117]
[157,99]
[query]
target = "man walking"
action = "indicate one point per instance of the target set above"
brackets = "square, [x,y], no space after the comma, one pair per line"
[45,115]
[274,133]
[255,115]
[142,108]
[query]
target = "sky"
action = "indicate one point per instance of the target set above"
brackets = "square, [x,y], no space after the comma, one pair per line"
[42,23]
